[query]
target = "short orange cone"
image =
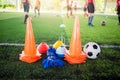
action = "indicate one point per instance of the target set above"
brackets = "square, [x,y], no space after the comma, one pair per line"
[75,54]
[29,54]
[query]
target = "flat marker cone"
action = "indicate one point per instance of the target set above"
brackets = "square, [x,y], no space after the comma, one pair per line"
[75,54]
[29,54]
[57,44]
[42,48]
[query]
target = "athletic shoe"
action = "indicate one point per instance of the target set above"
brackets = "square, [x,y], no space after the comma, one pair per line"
[90,24]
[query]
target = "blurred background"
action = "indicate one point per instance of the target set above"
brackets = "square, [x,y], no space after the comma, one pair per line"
[102,6]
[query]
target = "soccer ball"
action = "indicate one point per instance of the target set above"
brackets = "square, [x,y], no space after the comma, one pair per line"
[92,50]
[62,25]
[103,23]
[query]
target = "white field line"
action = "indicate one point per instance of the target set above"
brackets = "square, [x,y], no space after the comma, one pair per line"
[19,44]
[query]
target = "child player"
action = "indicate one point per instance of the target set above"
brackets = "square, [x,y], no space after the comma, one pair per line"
[26,4]
[37,7]
[69,7]
[118,10]
[91,10]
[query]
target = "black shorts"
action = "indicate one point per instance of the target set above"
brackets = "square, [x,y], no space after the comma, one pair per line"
[118,10]
[91,8]
[26,7]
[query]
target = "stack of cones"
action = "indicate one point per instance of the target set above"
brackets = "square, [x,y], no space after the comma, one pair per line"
[29,54]
[60,51]
[75,54]
[58,44]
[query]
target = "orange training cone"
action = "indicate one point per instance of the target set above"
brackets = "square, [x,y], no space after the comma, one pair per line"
[29,54]
[75,54]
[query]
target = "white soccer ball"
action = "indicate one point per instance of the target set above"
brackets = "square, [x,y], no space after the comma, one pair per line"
[92,50]
[103,23]
[62,25]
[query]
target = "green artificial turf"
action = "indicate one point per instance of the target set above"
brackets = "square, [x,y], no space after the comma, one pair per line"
[46,28]
[106,66]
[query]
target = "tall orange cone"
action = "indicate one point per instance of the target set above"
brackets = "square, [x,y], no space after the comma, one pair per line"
[29,54]
[75,54]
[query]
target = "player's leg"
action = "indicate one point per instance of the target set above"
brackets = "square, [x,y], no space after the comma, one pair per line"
[118,19]
[35,11]
[91,18]
[118,13]
[38,11]
[91,14]
[68,10]
[26,16]
[71,13]
[26,10]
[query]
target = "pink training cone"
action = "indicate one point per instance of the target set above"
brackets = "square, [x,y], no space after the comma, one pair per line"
[29,54]
[75,54]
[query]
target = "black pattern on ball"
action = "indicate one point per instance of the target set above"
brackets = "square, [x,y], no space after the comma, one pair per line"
[90,53]
[95,46]
[87,46]
[92,50]
[98,54]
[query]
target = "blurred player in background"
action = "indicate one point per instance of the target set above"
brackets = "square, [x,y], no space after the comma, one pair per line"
[26,6]
[69,7]
[75,7]
[37,7]
[118,10]
[91,10]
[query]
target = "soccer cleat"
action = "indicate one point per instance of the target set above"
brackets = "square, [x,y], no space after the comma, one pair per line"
[90,24]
